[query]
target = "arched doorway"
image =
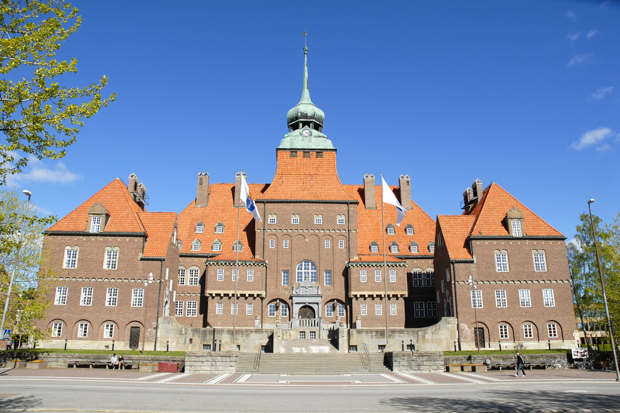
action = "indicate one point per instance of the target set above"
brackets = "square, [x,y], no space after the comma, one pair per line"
[306,312]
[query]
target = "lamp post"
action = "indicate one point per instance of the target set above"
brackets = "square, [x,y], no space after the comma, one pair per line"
[14,269]
[471,283]
[600,273]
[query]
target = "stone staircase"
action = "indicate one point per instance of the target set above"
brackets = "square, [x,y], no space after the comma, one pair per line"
[310,363]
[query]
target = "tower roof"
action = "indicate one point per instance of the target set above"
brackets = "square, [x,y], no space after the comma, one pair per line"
[305,113]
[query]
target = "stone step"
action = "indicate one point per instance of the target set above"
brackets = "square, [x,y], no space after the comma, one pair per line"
[296,363]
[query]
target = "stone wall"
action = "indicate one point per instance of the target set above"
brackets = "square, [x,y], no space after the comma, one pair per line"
[416,362]
[544,358]
[61,360]
[211,362]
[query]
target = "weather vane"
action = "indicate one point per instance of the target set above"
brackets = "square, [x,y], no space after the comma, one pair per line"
[304,34]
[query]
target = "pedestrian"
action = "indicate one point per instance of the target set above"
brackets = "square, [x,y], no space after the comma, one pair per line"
[121,362]
[114,361]
[520,364]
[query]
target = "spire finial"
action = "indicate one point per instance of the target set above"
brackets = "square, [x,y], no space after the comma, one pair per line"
[305,94]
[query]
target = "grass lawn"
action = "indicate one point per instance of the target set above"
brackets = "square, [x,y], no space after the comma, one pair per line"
[106,352]
[495,352]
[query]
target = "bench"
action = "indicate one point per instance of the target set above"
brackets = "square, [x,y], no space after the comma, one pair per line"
[98,363]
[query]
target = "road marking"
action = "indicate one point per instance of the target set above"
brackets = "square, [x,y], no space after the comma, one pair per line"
[576,391]
[356,382]
[283,381]
[416,378]
[172,378]
[152,376]
[394,379]
[217,379]
[481,376]
[243,378]
[463,377]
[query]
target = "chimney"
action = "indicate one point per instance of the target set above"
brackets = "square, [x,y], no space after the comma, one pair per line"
[132,183]
[238,202]
[202,193]
[137,191]
[467,197]
[141,190]
[404,182]
[369,192]
[477,191]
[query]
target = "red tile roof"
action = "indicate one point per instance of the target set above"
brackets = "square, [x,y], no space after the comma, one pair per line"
[455,230]
[369,224]
[121,208]
[159,227]
[376,258]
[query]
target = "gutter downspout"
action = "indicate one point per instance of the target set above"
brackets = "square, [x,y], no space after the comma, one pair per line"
[161,269]
[348,269]
[262,299]
[456,306]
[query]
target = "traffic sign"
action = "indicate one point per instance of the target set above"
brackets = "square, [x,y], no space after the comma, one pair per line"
[6,334]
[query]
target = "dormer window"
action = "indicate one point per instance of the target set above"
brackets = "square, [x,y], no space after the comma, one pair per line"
[180,245]
[374,247]
[413,247]
[97,218]
[514,223]
[394,248]
[409,229]
[431,247]
[238,246]
[516,228]
[200,228]
[95,224]
[196,245]
[219,228]
[216,246]
[390,229]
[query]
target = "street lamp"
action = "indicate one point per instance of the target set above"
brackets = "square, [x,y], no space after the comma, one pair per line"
[600,273]
[471,283]
[14,269]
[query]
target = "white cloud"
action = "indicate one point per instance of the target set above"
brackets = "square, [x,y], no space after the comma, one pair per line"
[573,36]
[576,243]
[600,93]
[37,172]
[603,148]
[592,33]
[42,211]
[592,137]
[580,59]
[571,15]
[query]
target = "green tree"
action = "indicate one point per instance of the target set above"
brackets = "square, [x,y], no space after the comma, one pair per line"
[39,116]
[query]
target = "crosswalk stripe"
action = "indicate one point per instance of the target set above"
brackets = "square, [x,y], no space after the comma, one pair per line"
[392,378]
[465,378]
[217,379]
[243,378]
[153,376]
[416,378]
[172,378]
[483,377]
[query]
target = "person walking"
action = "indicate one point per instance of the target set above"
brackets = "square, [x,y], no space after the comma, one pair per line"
[520,364]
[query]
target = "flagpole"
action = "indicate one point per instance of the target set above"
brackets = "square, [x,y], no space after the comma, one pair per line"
[384,265]
[235,310]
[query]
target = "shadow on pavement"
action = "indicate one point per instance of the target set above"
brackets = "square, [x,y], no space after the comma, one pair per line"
[27,401]
[509,401]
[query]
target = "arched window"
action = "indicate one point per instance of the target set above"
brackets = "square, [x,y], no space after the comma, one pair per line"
[374,247]
[216,246]
[394,248]
[200,228]
[306,271]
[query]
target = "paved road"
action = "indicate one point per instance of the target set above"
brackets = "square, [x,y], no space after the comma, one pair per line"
[274,393]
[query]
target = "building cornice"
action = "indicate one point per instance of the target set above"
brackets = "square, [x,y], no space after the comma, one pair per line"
[337,231]
[96,234]
[510,237]
[229,263]
[502,282]
[306,201]
[377,264]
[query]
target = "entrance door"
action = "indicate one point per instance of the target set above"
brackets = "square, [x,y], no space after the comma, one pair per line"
[479,334]
[134,338]
[306,312]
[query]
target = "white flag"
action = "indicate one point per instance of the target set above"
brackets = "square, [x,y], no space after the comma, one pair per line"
[246,198]
[390,198]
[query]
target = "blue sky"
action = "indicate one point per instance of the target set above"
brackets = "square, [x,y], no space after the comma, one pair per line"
[522,93]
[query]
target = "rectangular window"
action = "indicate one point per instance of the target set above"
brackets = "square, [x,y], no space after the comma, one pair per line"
[431,309]
[111,259]
[390,230]
[200,229]
[540,265]
[341,243]
[178,308]
[374,248]
[219,308]
[196,246]
[528,331]
[430,279]
[552,329]
[500,299]
[302,335]
[516,228]
[250,275]
[137,297]
[476,299]
[312,335]
[501,261]
[234,274]
[234,309]
[87,296]
[272,243]
[340,221]
[220,274]
[378,276]
[108,331]
[431,249]
[363,276]
[548,298]
[111,298]
[272,219]
[340,310]
[217,246]
[181,280]
[271,310]
[284,310]
[192,309]
[392,309]
[194,275]
[418,279]
[329,310]
[413,249]
[394,249]
[318,220]
[419,310]
[378,309]
[524,298]
[57,329]
[219,229]
[363,309]
[95,225]
[295,219]
[328,243]
[249,308]
[503,331]
[83,330]
[285,277]
[71,257]
[392,276]
[285,243]
[327,275]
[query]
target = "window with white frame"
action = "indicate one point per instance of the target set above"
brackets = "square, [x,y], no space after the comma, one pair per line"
[516,228]
[476,298]
[234,308]
[500,299]
[249,308]
[272,243]
[194,276]
[431,309]
[548,298]
[327,276]
[413,248]
[111,298]
[540,264]
[219,308]
[196,245]
[306,271]
[83,330]
[389,229]
[181,280]
[95,224]
[340,220]
[341,243]
[271,310]
[191,309]
[503,331]
[273,219]
[392,276]
[108,330]
[363,276]
[528,331]
[295,219]
[71,257]
[341,312]
[234,274]
[394,248]
[378,309]
[430,278]
[431,247]
[285,277]
[378,276]
[137,297]
[318,220]
[374,247]
[501,261]
[524,298]
[250,275]
[552,330]
[392,309]
[328,243]
[61,295]
[216,246]
[285,243]
[238,246]
[87,296]
[283,310]
[363,309]
[409,229]
[57,329]
[111,258]
[200,228]
[418,278]
[329,310]
[219,228]
[220,274]
[178,308]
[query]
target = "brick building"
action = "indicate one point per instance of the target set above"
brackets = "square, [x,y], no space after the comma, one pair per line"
[314,263]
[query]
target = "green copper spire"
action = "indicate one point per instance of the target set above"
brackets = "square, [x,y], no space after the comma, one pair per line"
[305,93]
